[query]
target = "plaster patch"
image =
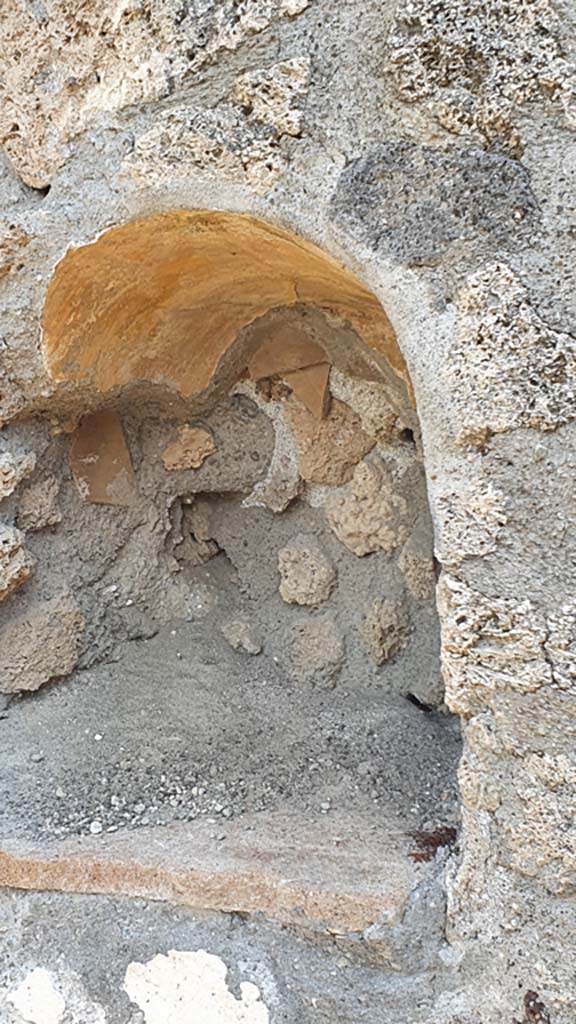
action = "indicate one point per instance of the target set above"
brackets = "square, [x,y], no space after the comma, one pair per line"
[190,988]
[37,999]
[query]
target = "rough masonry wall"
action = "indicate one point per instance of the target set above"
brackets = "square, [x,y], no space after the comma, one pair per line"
[430,146]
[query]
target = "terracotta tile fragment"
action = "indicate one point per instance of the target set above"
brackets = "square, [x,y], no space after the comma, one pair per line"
[326,880]
[310,385]
[191,448]
[100,460]
[286,350]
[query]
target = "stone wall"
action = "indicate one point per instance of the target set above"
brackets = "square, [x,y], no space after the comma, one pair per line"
[428,147]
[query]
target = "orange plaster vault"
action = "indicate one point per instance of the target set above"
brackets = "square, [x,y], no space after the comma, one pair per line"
[162,299]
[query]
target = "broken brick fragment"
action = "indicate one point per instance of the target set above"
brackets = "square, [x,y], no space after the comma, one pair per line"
[100,460]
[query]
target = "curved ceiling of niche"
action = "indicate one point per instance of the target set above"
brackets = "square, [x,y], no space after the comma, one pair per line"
[162,299]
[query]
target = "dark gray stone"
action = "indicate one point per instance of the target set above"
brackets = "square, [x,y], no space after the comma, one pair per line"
[413,202]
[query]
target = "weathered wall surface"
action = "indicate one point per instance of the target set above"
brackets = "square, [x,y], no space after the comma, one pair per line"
[430,147]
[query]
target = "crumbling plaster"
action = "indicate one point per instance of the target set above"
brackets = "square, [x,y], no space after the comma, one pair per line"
[500,462]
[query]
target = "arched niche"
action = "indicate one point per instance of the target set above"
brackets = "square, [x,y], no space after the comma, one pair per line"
[162,300]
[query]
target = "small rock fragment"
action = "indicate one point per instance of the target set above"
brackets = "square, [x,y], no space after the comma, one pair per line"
[40,645]
[369,515]
[328,449]
[418,571]
[13,469]
[191,448]
[100,461]
[38,506]
[16,564]
[316,651]
[306,574]
[241,636]
[385,629]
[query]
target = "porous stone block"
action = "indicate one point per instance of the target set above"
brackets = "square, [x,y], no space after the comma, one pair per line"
[40,645]
[38,506]
[328,449]
[369,514]
[16,564]
[13,470]
[306,574]
[385,629]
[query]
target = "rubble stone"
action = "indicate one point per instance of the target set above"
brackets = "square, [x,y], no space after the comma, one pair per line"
[368,515]
[16,564]
[306,575]
[13,470]
[38,506]
[328,449]
[385,629]
[418,571]
[42,644]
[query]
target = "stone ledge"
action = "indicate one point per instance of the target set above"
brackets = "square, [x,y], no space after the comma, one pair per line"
[337,874]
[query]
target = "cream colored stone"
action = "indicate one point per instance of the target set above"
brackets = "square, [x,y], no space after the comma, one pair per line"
[368,515]
[306,574]
[489,645]
[191,448]
[38,999]
[271,94]
[328,449]
[236,141]
[13,470]
[385,629]
[370,401]
[40,645]
[183,986]
[116,55]
[501,338]
[16,564]
[38,506]
[472,519]
[186,140]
